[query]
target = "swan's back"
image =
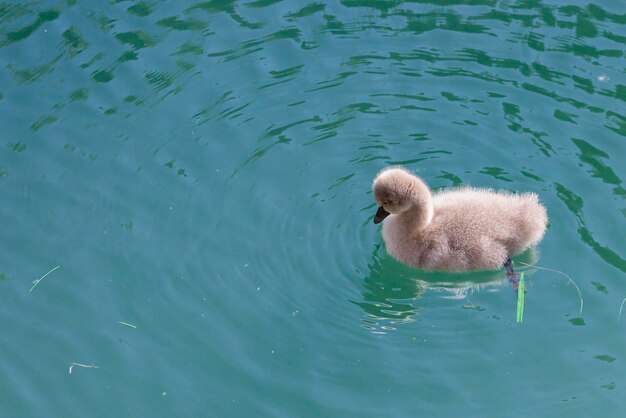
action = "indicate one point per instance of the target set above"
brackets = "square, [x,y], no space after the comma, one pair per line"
[518,218]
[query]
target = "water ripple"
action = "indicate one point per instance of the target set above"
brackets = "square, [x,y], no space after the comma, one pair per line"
[256,45]
[203,170]
[228,7]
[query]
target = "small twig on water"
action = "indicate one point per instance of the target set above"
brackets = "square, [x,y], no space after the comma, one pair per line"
[36,282]
[127,324]
[620,309]
[87,366]
[580,295]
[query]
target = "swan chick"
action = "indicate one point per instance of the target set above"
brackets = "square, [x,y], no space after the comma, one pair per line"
[454,230]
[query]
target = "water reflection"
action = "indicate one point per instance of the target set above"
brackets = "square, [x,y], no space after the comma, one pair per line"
[392,292]
[230,8]
[26,31]
[574,204]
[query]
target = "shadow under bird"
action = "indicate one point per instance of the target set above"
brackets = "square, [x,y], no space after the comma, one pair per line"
[455,230]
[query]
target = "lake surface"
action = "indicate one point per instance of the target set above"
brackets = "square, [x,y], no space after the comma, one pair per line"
[201,173]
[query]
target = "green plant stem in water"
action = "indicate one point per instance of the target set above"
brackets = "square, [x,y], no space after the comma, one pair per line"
[520,298]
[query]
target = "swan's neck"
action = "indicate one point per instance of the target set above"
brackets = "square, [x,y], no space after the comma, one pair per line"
[420,212]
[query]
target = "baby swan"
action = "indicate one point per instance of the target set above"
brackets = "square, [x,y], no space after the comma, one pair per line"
[454,230]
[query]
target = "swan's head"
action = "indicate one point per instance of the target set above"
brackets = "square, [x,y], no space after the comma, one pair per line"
[393,191]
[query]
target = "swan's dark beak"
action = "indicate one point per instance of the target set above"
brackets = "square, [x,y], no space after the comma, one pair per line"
[381,214]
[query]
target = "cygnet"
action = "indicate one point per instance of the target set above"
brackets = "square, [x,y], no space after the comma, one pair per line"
[454,230]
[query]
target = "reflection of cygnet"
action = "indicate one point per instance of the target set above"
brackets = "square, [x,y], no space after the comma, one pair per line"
[454,230]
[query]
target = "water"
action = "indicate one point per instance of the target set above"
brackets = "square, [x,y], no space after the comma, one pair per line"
[201,173]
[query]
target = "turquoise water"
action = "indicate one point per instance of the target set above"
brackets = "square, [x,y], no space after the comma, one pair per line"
[201,173]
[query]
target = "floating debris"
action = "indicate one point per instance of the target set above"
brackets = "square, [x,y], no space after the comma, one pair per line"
[36,282]
[87,366]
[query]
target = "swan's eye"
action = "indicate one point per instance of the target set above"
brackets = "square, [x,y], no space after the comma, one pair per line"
[386,202]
